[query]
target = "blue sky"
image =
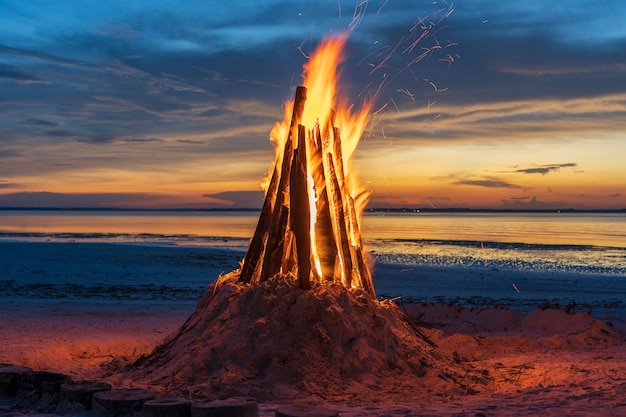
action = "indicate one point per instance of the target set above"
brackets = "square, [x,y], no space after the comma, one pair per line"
[169,104]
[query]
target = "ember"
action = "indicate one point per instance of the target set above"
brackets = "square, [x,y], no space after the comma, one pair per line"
[309,225]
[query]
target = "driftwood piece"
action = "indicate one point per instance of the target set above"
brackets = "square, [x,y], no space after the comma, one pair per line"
[300,210]
[228,407]
[324,238]
[258,242]
[278,220]
[167,407]
[339,223]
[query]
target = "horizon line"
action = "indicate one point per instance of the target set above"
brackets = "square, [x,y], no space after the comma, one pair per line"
[368,210]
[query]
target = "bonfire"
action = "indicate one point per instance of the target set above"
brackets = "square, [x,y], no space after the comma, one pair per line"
[309,225]
[300,317]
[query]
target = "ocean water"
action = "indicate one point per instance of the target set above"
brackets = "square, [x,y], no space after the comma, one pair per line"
[587,243]
[517,260]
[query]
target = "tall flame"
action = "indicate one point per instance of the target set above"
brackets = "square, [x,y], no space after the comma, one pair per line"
[321,76]
[310,222]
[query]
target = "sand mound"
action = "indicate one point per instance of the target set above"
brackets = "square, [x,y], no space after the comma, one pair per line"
[276,341]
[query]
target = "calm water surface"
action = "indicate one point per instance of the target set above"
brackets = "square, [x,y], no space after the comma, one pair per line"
[592,243]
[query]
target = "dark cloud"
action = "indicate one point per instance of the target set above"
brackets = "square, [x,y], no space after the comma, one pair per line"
[616,195]
[39,55]
[535,204]
[143,140]
[39,123]
[12,73]
[7,184]
[237,199]
[487,183]
[10,153]
[545,169]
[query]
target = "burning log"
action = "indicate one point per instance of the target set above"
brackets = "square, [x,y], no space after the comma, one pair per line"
[309,225]
[274,199]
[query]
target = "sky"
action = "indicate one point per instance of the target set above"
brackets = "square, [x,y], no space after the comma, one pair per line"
[169,104]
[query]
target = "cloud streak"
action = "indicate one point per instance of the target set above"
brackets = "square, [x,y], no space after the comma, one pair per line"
[545,169]
[488,183]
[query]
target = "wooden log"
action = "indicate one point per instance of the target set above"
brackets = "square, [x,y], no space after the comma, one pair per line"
[300,212]
[257,244]
[324,239]
[229,407]
[12,378]
[339,220]
[289,258]
[360,265]
[82,391]
[44,382]
[167,407]
[365,275]
[275,250]
[278,221]
[120,401]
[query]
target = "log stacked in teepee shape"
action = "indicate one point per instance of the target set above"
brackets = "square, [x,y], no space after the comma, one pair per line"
[286,240]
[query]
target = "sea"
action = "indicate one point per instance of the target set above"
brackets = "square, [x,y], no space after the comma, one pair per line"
[583,247]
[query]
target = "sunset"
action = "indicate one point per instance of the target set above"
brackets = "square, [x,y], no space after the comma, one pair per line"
[328,208]
[161,106]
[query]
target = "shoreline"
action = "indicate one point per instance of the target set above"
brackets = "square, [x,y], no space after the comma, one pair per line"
[140,272]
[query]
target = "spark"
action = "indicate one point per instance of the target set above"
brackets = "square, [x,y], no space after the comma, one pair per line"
[359,12]
[382,6]
[381,108]
[431,204]
[410,45]
[395,105]
[431,103]
[407,93]
[437,90]
[449,59]
[381,85]
[301,51]
[516,289]
[366,89]
[389,55]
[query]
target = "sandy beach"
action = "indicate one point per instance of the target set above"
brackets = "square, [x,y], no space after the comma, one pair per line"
[540,361]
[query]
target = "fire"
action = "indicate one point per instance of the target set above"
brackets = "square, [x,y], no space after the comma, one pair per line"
[310,223]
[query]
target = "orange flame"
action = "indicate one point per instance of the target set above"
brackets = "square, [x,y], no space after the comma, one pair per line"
[321,77]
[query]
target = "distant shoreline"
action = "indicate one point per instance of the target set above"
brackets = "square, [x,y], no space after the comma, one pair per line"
[369,210]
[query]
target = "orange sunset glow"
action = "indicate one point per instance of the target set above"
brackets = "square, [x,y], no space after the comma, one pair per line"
[464,112]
